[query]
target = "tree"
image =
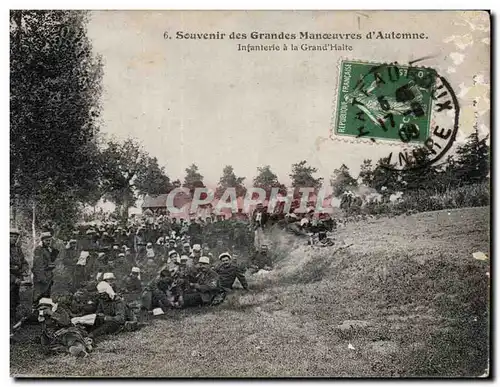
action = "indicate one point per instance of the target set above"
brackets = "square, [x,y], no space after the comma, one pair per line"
[385,180]
[126,170]
[366,173]
[193,179]
[473,159]
[55,89]
[152,179]
[342,181]
[267,180]
[229,180]
[419,174]
[176,184]
[302,176]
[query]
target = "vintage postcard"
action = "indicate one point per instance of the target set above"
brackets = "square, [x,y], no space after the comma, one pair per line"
[257,194]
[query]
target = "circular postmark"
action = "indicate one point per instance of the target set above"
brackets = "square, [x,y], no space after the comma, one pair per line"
[414,107]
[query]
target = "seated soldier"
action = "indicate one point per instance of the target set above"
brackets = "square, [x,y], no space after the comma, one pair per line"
[228,272]
[261,259]
[196,253]
[205,290]
[182,276]
[150,252]
[58,335]
[186,263]
[186,248]
[132,283]
[172,245]
[111,311]
[101,265]
[155,292]
[110,279]
[83,302]
[173,255]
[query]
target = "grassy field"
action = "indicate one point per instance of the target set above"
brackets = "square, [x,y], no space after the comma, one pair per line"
[406,299]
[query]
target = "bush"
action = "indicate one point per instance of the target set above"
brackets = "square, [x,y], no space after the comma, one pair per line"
[474,195]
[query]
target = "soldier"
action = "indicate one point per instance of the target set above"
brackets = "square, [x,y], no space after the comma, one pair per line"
[106,242]
[132,282]
[155,292]
[101,265]
[84,302]
[140,243]
[172,244]
[111,311]
[196,254]
[80,270]
[186,262]
[186,248]
[161,248]
[261,259]
[173,256]
[150,253]
[175,226]
[43,266]
[121,236]
[70,254]
[110,279]
[228,272]
[195,231]
[19,269]
[57,333]
[206,288]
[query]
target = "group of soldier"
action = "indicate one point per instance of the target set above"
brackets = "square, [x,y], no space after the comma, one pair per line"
[105,279]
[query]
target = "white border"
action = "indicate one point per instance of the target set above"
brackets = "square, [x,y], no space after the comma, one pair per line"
[190,4]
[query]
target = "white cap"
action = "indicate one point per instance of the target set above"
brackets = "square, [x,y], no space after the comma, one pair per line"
[225,255]
[186,244]
[46,301]
[100,255]
[149,244]
[204,260]
[172,252]
[184,258]
[107,276]
[136,270]
[121,254]
[196,247]
[104,287]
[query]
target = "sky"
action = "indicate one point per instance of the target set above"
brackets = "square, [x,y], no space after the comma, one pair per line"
[207,103]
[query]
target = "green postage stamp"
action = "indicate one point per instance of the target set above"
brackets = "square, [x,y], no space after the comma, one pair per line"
[384,101]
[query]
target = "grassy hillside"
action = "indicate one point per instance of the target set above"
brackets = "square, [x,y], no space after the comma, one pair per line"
[406,299]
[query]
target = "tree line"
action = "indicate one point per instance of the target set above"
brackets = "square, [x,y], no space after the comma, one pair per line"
[469,165]
[60,161]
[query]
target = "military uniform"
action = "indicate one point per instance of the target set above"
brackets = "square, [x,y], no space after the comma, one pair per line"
[155,293]
[115,310]
[229,273]
[208,288]
[59,336]
[261,259]
[83,302]
[43,266]
[18,269]
[132,284]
